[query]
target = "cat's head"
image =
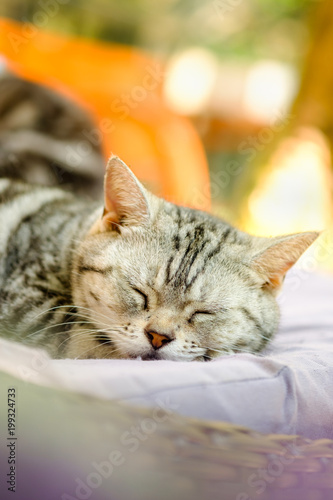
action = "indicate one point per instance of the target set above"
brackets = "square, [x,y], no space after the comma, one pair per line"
[159,281]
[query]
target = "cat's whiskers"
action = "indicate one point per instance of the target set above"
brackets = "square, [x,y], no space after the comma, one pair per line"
[85,316]
[74,307]
[55,325]
[114,351]
[95,347]
[88,318]
[85,334]
[242,350]
[232,349]
[206,348]
[91,333]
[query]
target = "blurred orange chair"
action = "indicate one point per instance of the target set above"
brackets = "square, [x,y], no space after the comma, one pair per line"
[122,87]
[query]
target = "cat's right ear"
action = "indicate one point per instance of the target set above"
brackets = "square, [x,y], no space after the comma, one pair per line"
[279,255]
[125,199]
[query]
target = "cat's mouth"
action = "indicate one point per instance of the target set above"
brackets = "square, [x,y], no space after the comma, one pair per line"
[151,356]
[154,356]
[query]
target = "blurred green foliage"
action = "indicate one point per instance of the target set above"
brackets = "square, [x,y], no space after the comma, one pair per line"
[230,28]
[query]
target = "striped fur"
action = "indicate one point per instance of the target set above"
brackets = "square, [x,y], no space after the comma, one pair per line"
[47,139]
[86,283]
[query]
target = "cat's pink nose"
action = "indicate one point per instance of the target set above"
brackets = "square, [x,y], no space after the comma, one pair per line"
[157,340]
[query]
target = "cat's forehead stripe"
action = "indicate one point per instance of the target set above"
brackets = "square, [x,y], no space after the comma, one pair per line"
[197,238]
[188,263]
[195,242]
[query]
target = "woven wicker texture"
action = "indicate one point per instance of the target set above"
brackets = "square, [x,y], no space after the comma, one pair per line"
[174,457]
[227,461]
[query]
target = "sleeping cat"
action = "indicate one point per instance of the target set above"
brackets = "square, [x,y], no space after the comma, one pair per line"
[141,277]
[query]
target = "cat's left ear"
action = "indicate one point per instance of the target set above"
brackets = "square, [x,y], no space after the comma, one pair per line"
[125,199]
[279,256]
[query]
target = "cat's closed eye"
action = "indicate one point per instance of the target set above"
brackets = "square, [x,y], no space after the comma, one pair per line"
[199,314]
[144,298]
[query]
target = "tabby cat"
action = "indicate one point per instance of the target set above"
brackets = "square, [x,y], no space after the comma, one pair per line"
[47,138]
[141,277]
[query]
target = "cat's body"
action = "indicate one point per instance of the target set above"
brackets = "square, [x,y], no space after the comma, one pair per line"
[40,228]
[142,278]
[44,138]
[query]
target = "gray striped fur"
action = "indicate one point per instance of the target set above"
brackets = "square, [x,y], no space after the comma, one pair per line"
[47,139]
[83,283]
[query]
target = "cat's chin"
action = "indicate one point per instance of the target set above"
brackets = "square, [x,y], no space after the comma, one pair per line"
[153,356]
[150,356]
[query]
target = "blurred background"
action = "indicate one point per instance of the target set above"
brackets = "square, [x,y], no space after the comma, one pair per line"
[219,104]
